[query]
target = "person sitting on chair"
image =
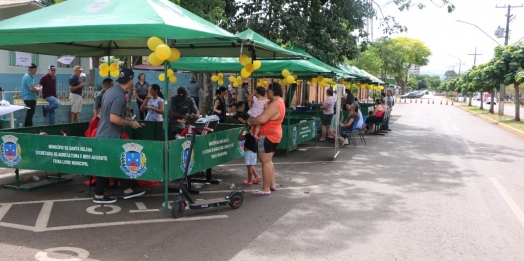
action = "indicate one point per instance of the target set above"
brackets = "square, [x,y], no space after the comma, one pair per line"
[180,107]
[240,116]
[374,116]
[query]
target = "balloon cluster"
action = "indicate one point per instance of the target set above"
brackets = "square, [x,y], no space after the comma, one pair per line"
[348,85]
[236,81]
[321,81]
[288,78]
[170,75]
[249,66]
[161,52]
[219,78]
[106,69]
[262,83]
[372,87]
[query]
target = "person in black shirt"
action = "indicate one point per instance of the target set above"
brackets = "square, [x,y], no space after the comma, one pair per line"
[180,107]
[219,105]
[240,116]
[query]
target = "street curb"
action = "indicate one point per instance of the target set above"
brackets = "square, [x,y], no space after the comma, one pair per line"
[521,133]
[25,175]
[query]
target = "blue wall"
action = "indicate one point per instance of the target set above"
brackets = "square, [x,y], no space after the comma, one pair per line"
[9,82]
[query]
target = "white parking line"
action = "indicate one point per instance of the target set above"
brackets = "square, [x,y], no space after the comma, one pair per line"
[43,217]
[514,207]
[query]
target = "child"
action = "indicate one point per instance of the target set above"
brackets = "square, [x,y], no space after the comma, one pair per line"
[250,157]
[259,104]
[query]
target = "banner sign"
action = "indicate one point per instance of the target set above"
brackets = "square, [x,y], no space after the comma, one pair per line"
[132,159]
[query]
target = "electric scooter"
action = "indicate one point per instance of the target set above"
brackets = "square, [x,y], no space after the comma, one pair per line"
[233,200]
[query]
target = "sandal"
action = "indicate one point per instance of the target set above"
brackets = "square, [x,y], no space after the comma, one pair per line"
[321,140]
[256,181]
[261,193]
[245,183]
[273,189]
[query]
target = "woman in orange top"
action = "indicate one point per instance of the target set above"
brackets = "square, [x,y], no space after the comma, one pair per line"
[270,135]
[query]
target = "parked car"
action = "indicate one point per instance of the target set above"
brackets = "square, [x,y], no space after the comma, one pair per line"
[426,92]
[489,99]
[410,95]
[477,97]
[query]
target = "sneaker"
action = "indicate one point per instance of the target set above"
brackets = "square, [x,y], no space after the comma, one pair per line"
[133,194]
[44,111]
[104,200]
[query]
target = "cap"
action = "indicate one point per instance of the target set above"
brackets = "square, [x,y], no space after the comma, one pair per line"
[77,68]
[33,66]
[125,76]
[51,67]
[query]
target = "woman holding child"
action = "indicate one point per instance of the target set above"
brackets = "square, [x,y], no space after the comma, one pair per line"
[270,135]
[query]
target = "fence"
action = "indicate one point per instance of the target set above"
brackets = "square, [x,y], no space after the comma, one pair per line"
[62,92]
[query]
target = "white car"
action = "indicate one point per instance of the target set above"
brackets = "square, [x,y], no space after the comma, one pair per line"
[489,99]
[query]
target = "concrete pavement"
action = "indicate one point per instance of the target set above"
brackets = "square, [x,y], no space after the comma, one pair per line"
[443,185]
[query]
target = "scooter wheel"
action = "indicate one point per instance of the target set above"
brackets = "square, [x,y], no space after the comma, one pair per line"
[179,205]
[235,201]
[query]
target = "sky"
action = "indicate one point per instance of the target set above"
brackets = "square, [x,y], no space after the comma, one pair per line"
[444,36]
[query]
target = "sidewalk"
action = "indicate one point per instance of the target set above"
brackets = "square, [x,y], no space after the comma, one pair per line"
[7,175]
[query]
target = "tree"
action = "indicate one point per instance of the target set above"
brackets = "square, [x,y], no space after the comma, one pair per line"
[328,30]
[399,54]
[369,61]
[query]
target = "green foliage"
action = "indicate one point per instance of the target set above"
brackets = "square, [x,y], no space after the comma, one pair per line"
[325,29]
[412,83]
[211,10]
[369,60]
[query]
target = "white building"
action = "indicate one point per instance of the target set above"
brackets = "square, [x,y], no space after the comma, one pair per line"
[414,69]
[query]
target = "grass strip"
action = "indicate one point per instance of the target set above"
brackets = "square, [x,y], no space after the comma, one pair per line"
[505,120]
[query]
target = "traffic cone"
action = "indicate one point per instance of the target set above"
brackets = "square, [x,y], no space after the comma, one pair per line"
[433,102]
[440,102]
[451,102]
[405,100]
[446,102]
[428,101]
[410,100]
[416,100]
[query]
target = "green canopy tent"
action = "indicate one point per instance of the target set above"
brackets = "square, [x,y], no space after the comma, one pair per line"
[335,71]
[353,71]
[118,27]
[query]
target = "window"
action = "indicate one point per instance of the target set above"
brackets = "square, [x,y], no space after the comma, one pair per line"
[12,59]
[74,63]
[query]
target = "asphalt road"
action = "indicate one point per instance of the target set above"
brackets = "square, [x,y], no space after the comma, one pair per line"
[443,185]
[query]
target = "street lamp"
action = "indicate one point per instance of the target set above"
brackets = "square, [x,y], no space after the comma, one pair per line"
[480,30]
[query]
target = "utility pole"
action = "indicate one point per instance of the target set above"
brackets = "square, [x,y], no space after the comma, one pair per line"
[502,86]
[475,56]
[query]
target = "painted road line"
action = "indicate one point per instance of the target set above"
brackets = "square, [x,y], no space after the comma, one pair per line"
[471,149]
[146,195]
[3,210]
[17,226]
[137,222]
[142,208]
[514,207]
[290,163]
[455,127]
[43,217]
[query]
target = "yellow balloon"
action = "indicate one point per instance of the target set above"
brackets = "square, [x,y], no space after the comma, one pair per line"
[174,56]
[314,80]
[104,67]
[295,76]
[153,42]
[320,78]
[308,83]
[114,74]
[172,79]
[245,60]
[103,73]
[153,59]
[214,78]
[220,75]
[220,82]
[235,84]
[163,52]
[114,67]
[326,80]
[285,73]
[257,64]
[290,79]
[161,77]
[283,82]
[170,72]
[232,78]
[249,68]
[245,73]
[239,79]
